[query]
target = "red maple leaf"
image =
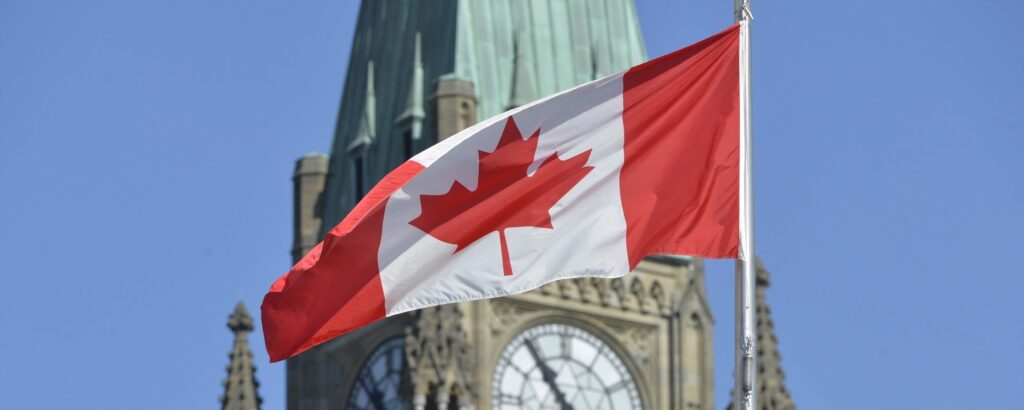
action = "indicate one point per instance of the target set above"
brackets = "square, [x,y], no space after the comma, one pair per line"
[505,195]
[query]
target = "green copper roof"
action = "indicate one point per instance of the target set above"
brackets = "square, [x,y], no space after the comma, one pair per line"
[512,51]
[566,42]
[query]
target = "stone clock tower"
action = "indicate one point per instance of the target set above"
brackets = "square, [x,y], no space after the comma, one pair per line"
[421,70]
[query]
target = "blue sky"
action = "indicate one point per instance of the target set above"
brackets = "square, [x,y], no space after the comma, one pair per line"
[146,150]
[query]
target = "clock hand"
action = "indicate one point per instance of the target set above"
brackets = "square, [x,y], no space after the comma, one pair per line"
[548,375]
[374,395]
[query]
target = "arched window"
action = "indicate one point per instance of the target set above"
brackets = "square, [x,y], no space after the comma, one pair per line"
[359,176]
[407,144]
[466,115]
[694,352]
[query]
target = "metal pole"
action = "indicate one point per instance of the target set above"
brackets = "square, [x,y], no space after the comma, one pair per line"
[745,392]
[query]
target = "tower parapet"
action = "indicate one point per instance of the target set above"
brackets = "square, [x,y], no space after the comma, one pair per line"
[454,105]
[308,185]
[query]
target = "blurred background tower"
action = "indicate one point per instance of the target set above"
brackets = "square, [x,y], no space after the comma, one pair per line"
[240,387]
[771,379]
[420,71]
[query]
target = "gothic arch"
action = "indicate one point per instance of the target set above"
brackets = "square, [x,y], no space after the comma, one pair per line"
[694,332]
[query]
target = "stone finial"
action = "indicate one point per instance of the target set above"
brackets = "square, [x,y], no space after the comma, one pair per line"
[770,376]
[240,386]
[240,321]
[368,121]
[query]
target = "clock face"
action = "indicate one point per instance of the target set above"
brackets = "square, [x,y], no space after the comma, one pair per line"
[559,367]
[377,384]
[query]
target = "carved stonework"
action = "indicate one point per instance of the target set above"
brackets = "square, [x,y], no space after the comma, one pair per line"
[565,290]
[439,355]
[639,342]
[633,294]
[506,315]
[636,288]
[658,296]
[604,295]
[585,289]
[622,298]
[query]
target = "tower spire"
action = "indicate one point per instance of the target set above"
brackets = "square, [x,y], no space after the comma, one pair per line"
[368,121]
[414,112]
[240,387]
[522,71]
[771,379]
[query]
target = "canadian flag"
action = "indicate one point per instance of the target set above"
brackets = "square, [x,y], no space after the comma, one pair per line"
[582,183]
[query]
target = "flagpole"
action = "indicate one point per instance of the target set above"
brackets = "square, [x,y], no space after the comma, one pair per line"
[745,391]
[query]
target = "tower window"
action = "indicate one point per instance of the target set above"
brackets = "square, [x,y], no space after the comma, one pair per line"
[360,177]
[407,144]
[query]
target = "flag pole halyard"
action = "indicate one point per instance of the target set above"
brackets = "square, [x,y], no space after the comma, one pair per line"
[745,391]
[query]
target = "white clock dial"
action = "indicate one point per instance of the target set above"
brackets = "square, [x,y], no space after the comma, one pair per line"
[560,367]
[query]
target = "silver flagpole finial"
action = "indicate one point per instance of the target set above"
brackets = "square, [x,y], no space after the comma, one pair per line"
[743,12]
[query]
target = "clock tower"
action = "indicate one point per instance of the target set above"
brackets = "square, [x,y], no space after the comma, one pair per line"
[419,71]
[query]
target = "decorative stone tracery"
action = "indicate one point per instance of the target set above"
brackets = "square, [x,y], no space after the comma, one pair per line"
[439,358]
[645,295]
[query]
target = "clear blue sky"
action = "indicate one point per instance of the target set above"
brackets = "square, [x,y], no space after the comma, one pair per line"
[146,153]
